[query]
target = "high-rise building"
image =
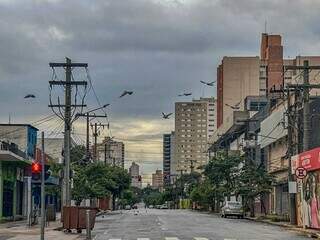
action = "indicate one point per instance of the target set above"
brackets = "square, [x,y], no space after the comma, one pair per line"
[136,180]
[111,152]
[237,78]
[157,180]
[168,149]
[193,120]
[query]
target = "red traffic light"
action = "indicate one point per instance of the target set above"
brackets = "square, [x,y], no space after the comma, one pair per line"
[36,167]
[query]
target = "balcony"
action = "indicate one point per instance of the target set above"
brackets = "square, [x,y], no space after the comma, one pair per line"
[9,152]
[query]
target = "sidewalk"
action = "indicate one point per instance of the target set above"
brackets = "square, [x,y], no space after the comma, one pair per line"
[20,231]
[309,232]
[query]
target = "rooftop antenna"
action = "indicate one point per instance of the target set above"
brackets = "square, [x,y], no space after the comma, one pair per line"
[265,26]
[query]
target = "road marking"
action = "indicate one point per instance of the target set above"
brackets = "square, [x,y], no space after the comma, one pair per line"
[115,239]
[200,238]
[143,238]
[171,238]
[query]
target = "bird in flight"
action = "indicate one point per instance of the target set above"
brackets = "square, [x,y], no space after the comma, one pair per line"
[208,83]
[126,93]
[30,96]
[185,94]
[234,107]
[166,116]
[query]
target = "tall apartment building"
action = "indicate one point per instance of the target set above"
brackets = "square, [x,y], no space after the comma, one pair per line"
[157,180]
[168,150]
[111,152]
[135,175]
[192,120]
[237,78]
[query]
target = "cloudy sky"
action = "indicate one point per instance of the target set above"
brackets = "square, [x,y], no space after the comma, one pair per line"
[157,48]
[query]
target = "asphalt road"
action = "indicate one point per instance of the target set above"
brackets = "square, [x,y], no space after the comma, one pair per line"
[156,224]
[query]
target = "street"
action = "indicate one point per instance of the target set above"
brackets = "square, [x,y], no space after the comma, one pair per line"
[184,225]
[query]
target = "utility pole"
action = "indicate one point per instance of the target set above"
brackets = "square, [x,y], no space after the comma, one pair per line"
[68,66]
[43,202]
[290,129]
[87,115]
[95,129]
[306,108]
[105,153]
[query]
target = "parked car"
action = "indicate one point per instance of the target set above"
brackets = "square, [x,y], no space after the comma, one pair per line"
[127,207]
[232,208]
[151,206]
[135,207]
[164,206]
[158,206]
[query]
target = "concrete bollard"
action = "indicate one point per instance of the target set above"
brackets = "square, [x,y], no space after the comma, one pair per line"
[88,224]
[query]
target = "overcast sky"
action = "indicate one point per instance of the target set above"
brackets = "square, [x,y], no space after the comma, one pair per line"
[157,48]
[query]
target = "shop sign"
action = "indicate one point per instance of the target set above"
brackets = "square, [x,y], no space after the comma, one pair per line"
[309,160]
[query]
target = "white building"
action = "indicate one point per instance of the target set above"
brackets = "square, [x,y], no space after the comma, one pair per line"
[136,180]
[111,152]
[195,122]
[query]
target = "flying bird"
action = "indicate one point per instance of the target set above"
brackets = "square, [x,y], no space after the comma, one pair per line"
[234,107]
[185,94]
[166,116]
[126,93]
[30,96]
[208,83]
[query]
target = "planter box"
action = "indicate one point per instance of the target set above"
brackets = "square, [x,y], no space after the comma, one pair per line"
[75,217]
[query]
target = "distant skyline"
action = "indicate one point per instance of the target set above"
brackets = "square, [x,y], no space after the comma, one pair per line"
[156,48]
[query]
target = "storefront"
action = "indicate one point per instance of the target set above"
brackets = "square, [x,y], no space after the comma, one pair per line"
[308,188]
[11,191]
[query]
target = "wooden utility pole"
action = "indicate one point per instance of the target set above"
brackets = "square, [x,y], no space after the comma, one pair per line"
[87,115]
[95,132]
[68,83]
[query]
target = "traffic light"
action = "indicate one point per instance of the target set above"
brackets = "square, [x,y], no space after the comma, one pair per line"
[36,171]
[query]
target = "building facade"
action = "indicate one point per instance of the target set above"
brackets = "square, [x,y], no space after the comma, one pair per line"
[157,180]
[17,150]
[134,172]
[237,78]
[111,152]
[193,125]
[167,157]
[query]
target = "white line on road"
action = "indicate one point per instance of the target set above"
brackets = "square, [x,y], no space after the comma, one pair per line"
[143,238]
[171,238]
[200,238]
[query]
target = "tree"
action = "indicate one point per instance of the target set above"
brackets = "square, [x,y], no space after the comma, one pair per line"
[97,180]
[254,182]
[223,172]
[203,195]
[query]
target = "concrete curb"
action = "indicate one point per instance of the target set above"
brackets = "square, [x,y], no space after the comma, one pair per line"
[308,232]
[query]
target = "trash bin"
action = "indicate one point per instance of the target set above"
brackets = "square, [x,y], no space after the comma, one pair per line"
[51,213]
[74,217]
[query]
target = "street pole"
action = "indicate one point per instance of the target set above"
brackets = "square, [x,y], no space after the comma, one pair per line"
[87,138]
[67,134]
[105,153]
[292,196]
[66,116]
[43,203]
[95,141]
[306,110]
